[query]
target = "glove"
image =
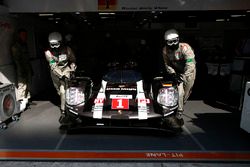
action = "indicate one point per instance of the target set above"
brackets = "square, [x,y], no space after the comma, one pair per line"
[73,66]
[64,78]
[178,78]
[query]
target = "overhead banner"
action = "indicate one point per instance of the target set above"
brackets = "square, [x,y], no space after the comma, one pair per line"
[145,5]
[26,6]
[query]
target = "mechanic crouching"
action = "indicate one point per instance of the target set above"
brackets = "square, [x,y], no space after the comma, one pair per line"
[61,60]
[179,59]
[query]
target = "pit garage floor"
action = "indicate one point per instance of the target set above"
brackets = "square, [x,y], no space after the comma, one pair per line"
[210,134]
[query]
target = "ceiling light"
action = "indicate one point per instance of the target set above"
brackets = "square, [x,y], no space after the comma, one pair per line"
[220,20]
[237,15]
[107,13]
[104,17]
[45,14]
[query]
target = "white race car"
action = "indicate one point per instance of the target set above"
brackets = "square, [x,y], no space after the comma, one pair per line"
[123,99]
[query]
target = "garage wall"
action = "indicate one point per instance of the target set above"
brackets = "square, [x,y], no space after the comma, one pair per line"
[8,26]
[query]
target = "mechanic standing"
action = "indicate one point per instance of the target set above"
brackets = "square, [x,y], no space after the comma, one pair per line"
[24,70]
[61,60]
[179,59]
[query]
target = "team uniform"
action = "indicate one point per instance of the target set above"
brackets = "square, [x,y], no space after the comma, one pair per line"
[59,68]
[179,59]
[181,62]
[24,71]
[61,60]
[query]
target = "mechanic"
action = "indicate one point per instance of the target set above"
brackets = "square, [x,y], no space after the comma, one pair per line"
[23,68]
[61,60]
[179,59]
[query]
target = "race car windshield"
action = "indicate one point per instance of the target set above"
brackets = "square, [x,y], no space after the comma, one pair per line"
[123,76]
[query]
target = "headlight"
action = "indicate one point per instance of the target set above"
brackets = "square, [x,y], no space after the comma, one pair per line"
[75,96]
[168,97]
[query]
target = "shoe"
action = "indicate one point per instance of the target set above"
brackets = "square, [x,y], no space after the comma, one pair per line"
[179,118]
[180,121]
[173,123]
[64,118]
[23,105]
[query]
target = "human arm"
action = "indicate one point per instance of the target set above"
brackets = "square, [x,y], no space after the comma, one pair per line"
[189,56]
[72,58]
[169,68]
[52,60]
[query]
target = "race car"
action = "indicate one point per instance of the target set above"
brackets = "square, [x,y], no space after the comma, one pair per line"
[123,99]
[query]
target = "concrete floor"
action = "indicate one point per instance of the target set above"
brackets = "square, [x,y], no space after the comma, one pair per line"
[211,137]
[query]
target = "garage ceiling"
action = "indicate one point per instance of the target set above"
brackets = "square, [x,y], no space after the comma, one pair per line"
[140,18]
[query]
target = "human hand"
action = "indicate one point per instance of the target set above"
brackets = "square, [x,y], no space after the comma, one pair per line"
[178,78]
[73,66]
[64,78]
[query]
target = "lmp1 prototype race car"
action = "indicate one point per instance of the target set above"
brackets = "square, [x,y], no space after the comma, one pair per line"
[122,100]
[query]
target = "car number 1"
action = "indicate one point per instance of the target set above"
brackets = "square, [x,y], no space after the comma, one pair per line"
[120,104]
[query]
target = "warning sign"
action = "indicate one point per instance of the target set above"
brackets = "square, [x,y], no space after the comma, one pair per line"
[107,5]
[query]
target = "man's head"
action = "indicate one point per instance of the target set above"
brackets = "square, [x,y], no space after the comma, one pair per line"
[171,37]
[55,39]
[22,35]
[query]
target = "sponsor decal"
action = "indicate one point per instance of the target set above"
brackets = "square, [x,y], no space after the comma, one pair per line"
[144,101]
[107,4]
[6,26]
[121,96]
[128,89]
[99,101]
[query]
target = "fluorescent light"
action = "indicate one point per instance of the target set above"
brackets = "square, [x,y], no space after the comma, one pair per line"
[106,13]
[237,15]
[103,17]
[45,14]
[220,19]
